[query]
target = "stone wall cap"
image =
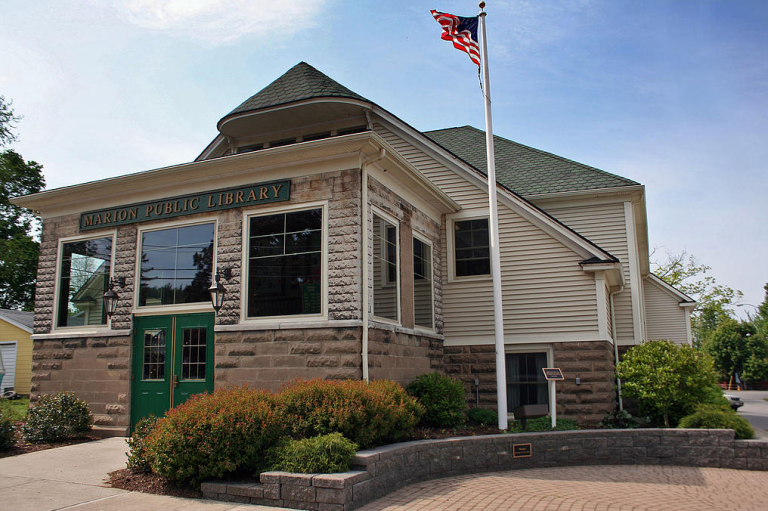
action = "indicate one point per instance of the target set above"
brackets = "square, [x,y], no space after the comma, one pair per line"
[280,325]
[81,334]
[340,480]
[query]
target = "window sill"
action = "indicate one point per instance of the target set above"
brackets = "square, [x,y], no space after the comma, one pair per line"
[472,278]
[287,324]
[411,331]
[79,334]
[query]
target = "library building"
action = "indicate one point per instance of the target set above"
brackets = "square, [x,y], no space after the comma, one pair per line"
[321,236]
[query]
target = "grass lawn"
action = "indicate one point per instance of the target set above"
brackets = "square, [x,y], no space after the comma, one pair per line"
[15,408]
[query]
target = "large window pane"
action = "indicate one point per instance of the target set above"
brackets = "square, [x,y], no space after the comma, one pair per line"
[385,249]
[285,264]
[422,283]
[526,384]
[84,277]
[472,247]
[176,265]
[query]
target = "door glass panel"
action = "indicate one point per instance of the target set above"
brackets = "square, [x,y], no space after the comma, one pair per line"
[154,355]
[193,354]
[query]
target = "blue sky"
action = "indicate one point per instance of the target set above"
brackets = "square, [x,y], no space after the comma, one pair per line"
[673,94]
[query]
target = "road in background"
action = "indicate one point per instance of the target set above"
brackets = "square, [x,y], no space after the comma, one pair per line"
[755,410]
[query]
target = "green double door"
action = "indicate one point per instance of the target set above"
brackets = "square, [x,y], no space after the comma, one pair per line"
[172,359]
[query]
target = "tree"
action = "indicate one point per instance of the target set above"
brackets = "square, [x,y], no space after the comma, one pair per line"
[687,274]
[7,121]
[668,380]
[18,248]
[737,349]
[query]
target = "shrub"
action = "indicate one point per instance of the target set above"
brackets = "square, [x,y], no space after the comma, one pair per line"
[7,433]
[620,419]
[137,445]
[483,416]
[667,379]
[544,424]
[55,418]
[713,418]
[211,435]
[443,398]
[367,413]
[324,454]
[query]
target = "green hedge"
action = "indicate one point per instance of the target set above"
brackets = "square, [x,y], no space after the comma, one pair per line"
[367,413]
[56,417]
[213,435]
[444,399]
[324,454]
[7,432]
[713,417]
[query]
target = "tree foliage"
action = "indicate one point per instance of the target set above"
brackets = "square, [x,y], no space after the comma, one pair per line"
[7,121]
[738,349]
[667,379]
[689,275]
[18,247]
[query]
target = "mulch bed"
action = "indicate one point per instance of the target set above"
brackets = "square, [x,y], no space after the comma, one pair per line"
[22,447]
[150,483]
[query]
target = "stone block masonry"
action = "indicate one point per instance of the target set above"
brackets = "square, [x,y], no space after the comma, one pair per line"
[96,369]
[377,472]
[591,362]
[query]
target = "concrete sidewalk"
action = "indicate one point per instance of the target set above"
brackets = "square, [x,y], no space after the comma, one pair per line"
[74,477]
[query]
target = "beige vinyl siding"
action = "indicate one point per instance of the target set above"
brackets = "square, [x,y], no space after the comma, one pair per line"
[545,290]
[604,225]
[664,317]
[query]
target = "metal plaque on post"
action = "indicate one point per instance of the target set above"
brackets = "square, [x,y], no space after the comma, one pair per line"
[553,373]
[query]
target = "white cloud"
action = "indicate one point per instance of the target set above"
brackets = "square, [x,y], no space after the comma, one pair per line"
[222,21]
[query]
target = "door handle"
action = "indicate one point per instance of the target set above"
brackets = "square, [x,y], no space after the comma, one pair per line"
[175,381]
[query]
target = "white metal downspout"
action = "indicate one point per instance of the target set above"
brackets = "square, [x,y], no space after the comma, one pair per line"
[364,258]
[616,343]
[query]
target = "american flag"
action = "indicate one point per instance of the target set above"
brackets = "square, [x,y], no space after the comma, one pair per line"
[462,31]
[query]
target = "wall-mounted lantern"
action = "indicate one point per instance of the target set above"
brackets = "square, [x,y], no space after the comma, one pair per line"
[111,297]
[218,290]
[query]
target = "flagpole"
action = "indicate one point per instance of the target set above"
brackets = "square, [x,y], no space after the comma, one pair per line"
[498,312]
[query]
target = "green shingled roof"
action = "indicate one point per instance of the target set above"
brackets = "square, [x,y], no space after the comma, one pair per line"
[300,82]
[523,169]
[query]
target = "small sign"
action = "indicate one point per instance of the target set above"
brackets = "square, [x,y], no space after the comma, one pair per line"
[553,373]
[522,450]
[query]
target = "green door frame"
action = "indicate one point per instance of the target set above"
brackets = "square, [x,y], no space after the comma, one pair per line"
[170,354]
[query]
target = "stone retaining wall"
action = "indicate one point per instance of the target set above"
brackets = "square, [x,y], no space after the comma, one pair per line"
[380,471]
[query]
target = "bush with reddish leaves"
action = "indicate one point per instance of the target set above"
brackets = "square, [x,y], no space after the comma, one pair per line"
[369,414]
[212,435]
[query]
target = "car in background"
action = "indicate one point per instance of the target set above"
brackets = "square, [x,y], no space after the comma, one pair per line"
[734,401]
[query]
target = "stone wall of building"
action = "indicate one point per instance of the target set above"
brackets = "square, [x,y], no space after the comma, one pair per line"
[96,369]
[586,402]
[402,356]
[268,358]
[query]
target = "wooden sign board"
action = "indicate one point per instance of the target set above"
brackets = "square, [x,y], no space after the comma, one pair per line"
[553,373]
[522,450]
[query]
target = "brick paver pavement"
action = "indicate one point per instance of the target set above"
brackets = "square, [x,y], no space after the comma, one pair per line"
[595,488]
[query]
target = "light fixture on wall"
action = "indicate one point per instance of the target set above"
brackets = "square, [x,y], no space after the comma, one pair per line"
[218,290]
[111,297]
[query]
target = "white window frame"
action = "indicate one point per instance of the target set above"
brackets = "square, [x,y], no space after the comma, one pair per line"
[112,233]
[299,318]
[450,238]
[529,348]
[427,241]
[149,310]
[394,221]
